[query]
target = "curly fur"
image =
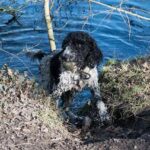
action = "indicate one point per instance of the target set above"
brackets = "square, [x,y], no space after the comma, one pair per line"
[73,69]
[88,52]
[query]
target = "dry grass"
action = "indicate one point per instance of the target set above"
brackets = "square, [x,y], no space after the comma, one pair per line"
[21,87]
[127,85]
[49,116]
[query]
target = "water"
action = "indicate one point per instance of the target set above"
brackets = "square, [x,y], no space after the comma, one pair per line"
[119,36]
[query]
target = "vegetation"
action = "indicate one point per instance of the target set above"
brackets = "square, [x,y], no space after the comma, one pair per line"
[127,85]
[21,87]
[29,119]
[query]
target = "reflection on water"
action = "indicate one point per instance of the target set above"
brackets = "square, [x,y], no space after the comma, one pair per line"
[118,35]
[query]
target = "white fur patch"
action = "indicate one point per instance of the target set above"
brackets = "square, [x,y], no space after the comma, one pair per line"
[67,51]
[102,111]
[69,79]
[93,80]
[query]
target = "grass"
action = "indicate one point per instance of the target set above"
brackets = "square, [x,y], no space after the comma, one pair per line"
[127,84]
[49,115]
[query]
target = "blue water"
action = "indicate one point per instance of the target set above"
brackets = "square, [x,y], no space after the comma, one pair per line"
[119,36]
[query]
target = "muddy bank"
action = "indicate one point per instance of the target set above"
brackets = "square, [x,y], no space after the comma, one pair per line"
[28,118]
[125,86]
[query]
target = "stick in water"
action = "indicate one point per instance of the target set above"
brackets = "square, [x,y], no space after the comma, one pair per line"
[49,25]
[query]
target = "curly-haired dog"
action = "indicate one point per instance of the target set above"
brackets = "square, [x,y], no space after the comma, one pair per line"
[74,68]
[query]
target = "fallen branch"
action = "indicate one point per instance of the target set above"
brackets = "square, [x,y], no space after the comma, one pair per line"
[120,10]
[49,25]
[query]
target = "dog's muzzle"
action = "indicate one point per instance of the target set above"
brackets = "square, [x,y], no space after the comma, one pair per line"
[70,66]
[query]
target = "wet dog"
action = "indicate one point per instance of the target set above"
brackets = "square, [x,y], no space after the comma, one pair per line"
[73,69]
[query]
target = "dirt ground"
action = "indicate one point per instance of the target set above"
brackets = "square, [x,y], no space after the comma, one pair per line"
[28,121]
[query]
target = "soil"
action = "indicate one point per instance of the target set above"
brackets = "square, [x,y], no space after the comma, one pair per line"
[28,122]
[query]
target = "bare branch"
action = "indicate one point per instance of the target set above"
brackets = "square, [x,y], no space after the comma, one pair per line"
[120,10]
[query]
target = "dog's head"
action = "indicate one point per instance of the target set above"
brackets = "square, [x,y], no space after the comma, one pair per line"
[80,48]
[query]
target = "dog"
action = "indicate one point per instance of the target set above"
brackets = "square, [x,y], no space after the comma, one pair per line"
[73,69]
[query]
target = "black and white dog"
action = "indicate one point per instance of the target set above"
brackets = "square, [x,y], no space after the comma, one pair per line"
[74,68]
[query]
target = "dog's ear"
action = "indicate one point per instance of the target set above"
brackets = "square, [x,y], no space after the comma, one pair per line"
[93,58]
[67,41]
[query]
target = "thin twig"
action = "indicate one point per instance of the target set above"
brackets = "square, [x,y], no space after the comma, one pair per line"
[120,10]
[15,56]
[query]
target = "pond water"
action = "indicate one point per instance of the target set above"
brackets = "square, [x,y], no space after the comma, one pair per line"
[119,35]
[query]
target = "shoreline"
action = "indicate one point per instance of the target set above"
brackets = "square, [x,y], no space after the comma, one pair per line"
[29,119]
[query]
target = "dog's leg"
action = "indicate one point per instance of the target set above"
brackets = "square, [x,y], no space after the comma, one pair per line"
[56,95]
[65,84]
[64,92]
[67,99]
[95,89]
[92,83]
[59,96]
[101,107]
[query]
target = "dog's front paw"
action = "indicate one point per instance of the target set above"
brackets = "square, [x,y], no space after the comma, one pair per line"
[103,113]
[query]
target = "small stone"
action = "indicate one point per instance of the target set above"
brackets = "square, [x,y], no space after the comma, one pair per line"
[135,147]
